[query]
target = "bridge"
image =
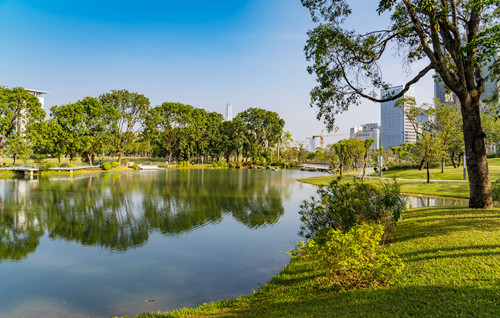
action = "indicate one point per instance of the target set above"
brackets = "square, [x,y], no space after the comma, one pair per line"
[320,165]
[26,169]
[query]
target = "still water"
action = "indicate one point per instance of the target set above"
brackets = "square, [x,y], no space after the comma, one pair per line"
[122,244]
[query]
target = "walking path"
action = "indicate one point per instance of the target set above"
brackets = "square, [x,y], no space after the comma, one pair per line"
[371,171]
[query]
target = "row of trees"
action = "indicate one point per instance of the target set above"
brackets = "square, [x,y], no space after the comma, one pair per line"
[120,123]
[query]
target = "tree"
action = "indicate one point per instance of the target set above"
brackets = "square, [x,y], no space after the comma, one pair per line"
[166,124]
[132,108]
[430,148]
[456,39]
[262,129]
[18,109]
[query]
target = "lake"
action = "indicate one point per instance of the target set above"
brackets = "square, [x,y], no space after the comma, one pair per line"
[122,244]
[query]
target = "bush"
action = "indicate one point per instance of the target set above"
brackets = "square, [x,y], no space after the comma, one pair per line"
[235,165]
[343,205]
[115,164]
[125,162]
[350,260]
[106,166]
[64,165]
[183,164]
[71,165]
[220,164]
[135,166]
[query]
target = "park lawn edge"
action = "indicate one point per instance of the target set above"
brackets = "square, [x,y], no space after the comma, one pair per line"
[452,268]
[404,186]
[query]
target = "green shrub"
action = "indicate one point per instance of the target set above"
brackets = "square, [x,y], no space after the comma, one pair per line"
[349,260]
[342,205]
[106,166]
[71,165]
[220,164]
[64,165]
[235,165]
[135,166]
[183,164]
[115,164]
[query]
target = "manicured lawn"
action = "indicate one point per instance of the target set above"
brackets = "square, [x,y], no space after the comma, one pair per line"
[452,269]
[448,189]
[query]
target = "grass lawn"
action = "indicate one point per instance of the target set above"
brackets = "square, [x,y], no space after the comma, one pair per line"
[452,269]
[447,189]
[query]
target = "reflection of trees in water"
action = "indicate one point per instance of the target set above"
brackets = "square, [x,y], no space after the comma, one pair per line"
[118,211]
[176,205]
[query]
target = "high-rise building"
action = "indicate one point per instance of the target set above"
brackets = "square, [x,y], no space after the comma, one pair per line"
[229,112]
[371,130]
[395,126]
[21,120]
[449,98]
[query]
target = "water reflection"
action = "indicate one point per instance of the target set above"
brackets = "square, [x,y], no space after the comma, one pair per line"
[120,211]
[422,202]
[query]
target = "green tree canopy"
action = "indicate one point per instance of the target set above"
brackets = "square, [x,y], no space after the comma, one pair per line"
[455,39]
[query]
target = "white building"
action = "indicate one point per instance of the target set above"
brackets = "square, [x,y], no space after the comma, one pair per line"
[229,112]
[395,126]
[39,94]
[21,121]
[308,145]
[370,130]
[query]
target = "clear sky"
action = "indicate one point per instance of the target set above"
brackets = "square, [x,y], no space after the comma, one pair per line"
[198,52]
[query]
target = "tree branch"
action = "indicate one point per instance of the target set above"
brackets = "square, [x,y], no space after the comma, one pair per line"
[407,86]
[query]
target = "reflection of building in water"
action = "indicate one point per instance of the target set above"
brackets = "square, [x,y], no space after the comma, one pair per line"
[17,191]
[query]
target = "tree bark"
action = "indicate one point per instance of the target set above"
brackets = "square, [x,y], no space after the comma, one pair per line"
[475,150]
[443,161]
[453,160]
[428,174]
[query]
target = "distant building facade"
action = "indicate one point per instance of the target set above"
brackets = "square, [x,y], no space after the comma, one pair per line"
[309,144]
[445,96]
[395,127]
[229,112]
[370,130]
[21,120]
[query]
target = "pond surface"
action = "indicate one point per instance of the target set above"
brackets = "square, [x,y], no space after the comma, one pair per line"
[103,245]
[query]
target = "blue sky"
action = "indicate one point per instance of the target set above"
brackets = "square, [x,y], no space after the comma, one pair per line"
[203,53]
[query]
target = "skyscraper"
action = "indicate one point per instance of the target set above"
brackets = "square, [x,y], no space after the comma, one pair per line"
[395,127]
[449,98]
[371,130]
[229,112]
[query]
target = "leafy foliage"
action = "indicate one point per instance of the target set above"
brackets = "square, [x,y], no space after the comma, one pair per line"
[350,260]
[342,205]
[106,166]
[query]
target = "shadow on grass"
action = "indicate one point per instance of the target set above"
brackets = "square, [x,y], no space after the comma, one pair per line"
[430,222]
[418,301]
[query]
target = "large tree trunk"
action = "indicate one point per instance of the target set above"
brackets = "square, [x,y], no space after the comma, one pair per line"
[475,150]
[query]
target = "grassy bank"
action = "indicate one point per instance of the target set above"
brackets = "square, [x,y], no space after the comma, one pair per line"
[452,269]
[446,189]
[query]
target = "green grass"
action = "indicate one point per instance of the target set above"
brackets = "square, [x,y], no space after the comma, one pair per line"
[446,189]
[452,269]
